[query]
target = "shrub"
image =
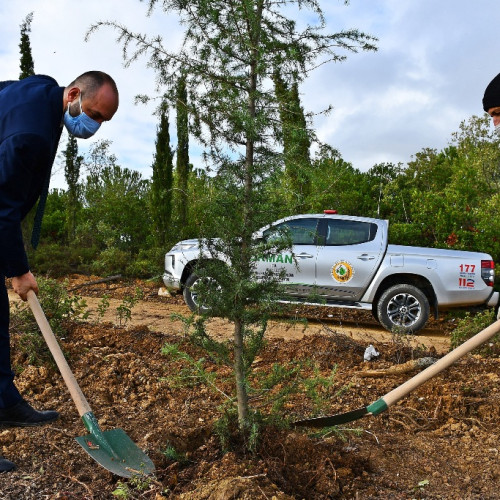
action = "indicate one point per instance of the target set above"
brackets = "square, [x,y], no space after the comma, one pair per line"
[405,234]
[57,260]
[111,261]
[473,324]
[52,259]
[59,308]
[147,264]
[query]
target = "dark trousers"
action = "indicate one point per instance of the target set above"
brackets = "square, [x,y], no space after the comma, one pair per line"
[9,395]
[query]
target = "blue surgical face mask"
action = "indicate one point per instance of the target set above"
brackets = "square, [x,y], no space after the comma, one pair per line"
[82,125]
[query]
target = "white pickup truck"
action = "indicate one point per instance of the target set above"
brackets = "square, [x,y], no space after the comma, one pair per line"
[346,261]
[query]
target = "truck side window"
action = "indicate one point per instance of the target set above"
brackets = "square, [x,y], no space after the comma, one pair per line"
[299,231]
[345,232]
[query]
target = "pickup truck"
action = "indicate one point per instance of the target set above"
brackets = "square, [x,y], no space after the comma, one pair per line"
[346,261]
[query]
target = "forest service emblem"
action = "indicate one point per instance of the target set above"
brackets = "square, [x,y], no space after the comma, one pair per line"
[342,271]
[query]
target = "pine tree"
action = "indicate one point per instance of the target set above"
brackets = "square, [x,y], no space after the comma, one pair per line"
[231,49]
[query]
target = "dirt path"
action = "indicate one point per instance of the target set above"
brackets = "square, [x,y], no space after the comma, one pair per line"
[160,314]
[360,326]
[441,441]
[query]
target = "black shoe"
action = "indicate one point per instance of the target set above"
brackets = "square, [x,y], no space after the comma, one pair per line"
[6,465]
[23,415]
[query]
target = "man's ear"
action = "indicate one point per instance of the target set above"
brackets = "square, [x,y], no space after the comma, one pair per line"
[73,94]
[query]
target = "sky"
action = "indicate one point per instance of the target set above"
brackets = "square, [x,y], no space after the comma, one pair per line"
[434,60]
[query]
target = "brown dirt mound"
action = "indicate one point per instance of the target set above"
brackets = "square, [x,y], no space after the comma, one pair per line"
[441,442]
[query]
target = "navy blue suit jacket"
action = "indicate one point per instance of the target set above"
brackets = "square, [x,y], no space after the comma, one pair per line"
[30,128]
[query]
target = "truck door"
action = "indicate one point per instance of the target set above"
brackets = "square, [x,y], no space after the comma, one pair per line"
[298,263]
[350,252]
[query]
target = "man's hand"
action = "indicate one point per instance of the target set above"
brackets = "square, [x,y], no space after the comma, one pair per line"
[23,284]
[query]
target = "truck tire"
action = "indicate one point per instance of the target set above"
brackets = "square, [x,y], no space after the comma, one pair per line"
[190,295]
[403,309]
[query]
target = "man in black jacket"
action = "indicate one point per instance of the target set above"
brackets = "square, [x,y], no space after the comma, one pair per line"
[491,104]
[32,114]
[491,101]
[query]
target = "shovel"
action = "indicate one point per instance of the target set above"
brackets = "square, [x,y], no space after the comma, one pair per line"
[399,392]
[114,450]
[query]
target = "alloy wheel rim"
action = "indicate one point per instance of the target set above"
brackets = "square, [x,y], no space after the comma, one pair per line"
[404,309]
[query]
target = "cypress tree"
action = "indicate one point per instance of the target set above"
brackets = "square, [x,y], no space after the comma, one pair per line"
[182,159]
[72,167]
[27,64]
[27,68]
[295,139]
[162,180]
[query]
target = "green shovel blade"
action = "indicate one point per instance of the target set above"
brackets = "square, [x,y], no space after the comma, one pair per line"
[331,420]
[342,418]
[114,450]
[126,459]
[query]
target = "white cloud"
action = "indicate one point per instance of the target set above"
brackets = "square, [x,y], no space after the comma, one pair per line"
[433,63]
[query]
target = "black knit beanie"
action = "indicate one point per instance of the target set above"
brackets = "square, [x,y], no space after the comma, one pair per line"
[491,97]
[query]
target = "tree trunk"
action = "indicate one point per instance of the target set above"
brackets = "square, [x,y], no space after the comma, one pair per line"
[241,390]
[239,368]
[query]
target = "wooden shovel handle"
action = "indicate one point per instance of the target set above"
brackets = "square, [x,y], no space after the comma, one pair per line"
[395,395]
[81,403]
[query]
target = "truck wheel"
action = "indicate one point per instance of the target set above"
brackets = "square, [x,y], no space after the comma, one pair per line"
[191,296]
[403,309]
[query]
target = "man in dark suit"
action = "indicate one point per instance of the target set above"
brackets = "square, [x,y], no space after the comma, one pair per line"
[491,104]
[32,114]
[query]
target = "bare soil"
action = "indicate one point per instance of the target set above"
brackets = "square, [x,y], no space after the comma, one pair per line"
[440,442]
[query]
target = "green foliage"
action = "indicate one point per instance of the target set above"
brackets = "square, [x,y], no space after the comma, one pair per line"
[470,326]
[192,372]
[335,184]
[59,308]
[296,142]
[271,392]
[115,212]
[453,194]
[402,233]
[102,307]
[162,180]
[111,260]
[230,53]
[183,167]
[27,64]
[72,166]
[52,259]
[54,227]
[148,263]
[175,456]
[124,310]
[136,484]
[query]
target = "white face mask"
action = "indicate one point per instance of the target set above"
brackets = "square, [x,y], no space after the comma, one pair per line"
[497,130]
